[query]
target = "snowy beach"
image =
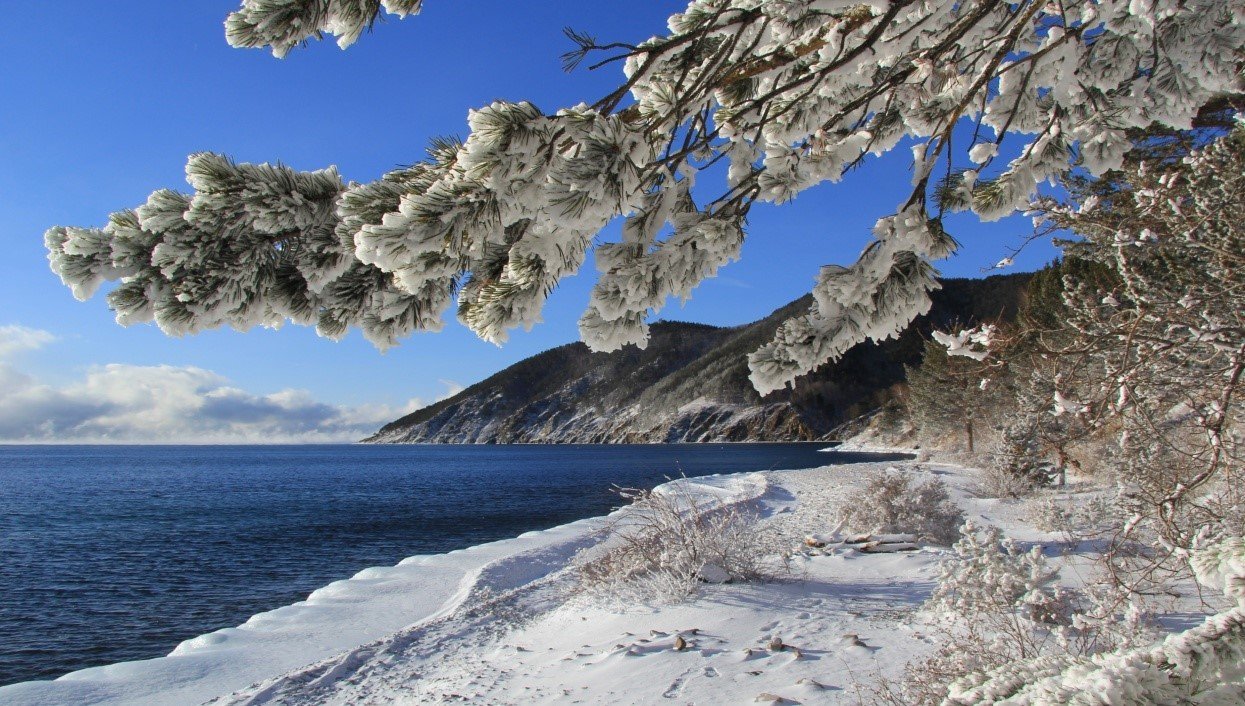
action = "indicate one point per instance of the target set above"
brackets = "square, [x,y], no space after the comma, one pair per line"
[994,250]
[502,622]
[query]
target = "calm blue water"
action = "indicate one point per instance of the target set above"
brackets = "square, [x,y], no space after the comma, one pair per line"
[111,553]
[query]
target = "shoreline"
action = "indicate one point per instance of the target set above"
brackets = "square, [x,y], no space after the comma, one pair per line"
[186,540]
[329,622]
[512,624]
[844,617]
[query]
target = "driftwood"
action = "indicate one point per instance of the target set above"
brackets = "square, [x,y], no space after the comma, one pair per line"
[867,543]
[881,538]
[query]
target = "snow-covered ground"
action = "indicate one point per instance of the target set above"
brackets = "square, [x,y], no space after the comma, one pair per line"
[500,623]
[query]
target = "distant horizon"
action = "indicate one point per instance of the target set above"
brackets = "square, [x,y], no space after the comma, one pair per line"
[109,398]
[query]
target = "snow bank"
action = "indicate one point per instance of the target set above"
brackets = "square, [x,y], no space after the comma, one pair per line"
[836,623]
[339,618]
[862,447]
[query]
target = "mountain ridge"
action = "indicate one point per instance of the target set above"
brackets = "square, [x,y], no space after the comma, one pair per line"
[690,384]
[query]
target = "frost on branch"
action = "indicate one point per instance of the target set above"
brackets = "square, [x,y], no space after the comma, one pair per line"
[969,343]
[788,94]
[874,299]
[500,219]
[639,273]
[513,210]
[1222,566]
[254,245]
[284,24]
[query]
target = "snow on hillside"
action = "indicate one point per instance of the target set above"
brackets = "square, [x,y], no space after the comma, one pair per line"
[502,623]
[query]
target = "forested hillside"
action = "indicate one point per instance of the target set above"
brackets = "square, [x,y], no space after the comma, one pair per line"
[691,384]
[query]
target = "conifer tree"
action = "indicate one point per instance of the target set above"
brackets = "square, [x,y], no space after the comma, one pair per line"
[949,395]
[1035,440]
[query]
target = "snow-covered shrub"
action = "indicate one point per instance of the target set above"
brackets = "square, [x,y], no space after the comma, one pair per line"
[1203,665]
[996,604]
[1001,479]
[667,542]
[990,573]
[894,502]
[1079,519]
[990,597]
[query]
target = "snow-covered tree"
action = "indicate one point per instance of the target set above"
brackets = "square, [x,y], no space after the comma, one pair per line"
[788,93]
[955,383]
[1152,357]
[1037,445]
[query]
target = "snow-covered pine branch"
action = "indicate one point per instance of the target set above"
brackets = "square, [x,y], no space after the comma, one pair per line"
[970,343]
[791,93]
[282,25]
[254,245]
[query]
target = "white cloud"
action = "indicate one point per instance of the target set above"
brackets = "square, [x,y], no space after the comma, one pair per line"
[167,404]
[15,339]
[451,388]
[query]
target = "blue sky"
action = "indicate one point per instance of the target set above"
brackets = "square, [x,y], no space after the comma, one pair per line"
[102,102]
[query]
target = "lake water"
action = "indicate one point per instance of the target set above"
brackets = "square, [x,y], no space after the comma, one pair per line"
[113,553]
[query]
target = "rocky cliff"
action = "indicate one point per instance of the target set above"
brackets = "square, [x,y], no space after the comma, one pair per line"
[690,384]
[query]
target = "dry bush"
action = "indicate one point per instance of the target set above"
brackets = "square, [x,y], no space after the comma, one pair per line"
[894,503]
[667,542]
